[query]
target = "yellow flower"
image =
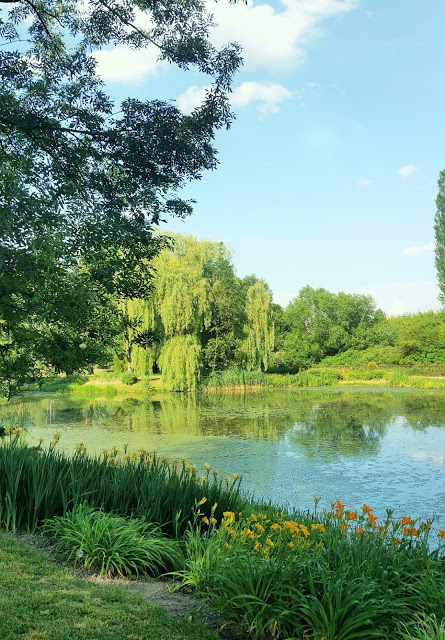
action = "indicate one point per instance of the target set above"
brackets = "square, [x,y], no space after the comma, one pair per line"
[229,516]
[291,545]
[213,520]
[304,530]
[275,526]
[202,501]
[269,542]
[318,527]
[207,467]
[18,431]
[258,547]
[205,520]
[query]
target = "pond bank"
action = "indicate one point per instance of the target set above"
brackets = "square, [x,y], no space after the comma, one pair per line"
[63,605]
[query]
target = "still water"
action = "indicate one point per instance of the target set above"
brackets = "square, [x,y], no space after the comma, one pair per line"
[382,447]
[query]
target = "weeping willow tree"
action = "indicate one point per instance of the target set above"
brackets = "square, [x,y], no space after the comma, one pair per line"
[200,318]
[138,320]
[185,301]
[259,329]
[180,362]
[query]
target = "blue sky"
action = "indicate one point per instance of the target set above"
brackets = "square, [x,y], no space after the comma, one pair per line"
[328,175]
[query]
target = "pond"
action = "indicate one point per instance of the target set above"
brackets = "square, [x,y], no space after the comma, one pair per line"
[382,447]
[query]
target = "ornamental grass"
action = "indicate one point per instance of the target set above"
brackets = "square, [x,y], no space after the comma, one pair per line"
[38,483]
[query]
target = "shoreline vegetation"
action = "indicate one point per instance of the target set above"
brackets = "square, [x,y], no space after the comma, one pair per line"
[202,327]
[106,383]
[271,573]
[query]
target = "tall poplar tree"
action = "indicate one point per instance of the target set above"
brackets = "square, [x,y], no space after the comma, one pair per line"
[439,229]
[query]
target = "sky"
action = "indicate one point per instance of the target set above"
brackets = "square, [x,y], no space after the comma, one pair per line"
[328,176]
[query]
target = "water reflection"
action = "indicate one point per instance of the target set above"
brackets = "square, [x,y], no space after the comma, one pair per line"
[326,423]
[386,448]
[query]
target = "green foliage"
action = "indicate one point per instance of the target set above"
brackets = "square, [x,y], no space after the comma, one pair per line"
[398,378]
[336,575]
[38,484]
[200,317]
[84,179]
[424,628]
[129,378]
[439,231]
[111,544]
[420,337]
[180,362]
[259,330]
[318,324]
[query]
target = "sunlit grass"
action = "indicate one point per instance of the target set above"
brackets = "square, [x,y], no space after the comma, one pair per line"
[40,600]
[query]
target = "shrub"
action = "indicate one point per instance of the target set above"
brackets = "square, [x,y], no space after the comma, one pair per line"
[372,365]
[111,544]
[129,378]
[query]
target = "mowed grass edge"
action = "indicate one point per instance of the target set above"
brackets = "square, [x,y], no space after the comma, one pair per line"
[41,600]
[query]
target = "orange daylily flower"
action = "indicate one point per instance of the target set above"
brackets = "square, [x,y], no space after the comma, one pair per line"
[352,515]
[367,509]
[396,541]
[372,519]
[441,534]
[359,531]
[339,506]
[406,520]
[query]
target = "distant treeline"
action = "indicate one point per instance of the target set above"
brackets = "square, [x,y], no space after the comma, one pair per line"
[202,319]
[194,320]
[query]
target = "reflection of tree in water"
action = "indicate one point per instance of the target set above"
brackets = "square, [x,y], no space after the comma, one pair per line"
[341,429]
[425,409]
[325,422]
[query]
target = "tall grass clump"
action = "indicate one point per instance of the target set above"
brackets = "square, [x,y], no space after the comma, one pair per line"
[340,575]
[111,544]
[398,378]
[38,483]
[235,378]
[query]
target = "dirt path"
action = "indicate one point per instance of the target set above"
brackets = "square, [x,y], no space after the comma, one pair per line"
[157,591]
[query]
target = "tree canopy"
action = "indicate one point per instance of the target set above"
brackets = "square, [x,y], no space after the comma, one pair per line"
[83,179]
[202,315]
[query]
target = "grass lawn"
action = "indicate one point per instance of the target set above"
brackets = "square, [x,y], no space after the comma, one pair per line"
[42,601]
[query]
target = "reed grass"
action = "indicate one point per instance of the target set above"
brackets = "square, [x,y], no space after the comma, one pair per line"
[38,483]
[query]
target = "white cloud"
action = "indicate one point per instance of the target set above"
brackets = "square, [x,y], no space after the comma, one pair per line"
[127,66]
[407,171]
[271,38]
[426,249]
[364,182]
[268,95]
[191,98]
